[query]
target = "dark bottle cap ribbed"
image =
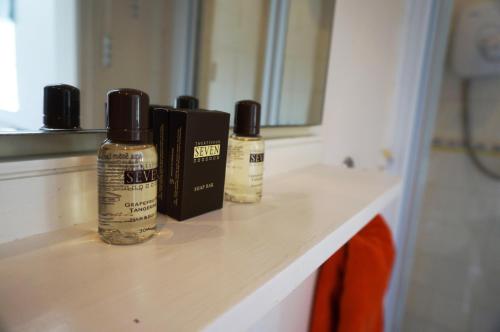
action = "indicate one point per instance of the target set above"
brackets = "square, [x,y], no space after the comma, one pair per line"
[127,116]
[247,118]
[186,102]
[61,107]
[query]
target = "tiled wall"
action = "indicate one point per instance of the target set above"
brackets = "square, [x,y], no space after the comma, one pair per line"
[456,274]
[455,282]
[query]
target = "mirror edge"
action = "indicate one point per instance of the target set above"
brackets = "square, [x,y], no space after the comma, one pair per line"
[48,144]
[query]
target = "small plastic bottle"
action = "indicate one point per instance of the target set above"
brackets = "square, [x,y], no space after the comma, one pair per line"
[245,165]
[127,170]
[61,108]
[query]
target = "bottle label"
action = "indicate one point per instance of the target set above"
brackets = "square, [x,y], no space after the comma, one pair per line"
[140,176]
[127,191]
[256,157]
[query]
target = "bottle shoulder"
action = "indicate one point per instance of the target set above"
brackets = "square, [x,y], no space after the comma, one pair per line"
[243,140]
[131,147]
[237,138]
[251,143]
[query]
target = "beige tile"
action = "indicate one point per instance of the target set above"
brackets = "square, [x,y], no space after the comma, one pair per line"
[418,324]
[449,313]
[485,319]
[418,299]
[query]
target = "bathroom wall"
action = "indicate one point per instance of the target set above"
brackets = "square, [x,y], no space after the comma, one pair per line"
[455,282]
[362,74]
[455,278]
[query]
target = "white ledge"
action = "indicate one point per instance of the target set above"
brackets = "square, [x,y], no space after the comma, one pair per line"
[219,272]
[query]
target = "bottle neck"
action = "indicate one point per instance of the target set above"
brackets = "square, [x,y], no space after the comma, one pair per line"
[244,133]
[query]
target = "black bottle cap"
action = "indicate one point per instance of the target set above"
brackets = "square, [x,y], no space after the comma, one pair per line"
[61,107]
[186,102]
[127,116]
[247,118]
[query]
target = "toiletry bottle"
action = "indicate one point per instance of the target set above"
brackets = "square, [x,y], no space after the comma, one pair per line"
[61,107]
[245,160]
[186,102]
[127,170]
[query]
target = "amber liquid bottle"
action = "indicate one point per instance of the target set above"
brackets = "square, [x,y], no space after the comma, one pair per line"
[245,158]
[127,170]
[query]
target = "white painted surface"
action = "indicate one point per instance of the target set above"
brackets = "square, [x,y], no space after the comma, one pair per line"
[292,314]
[361,83]
[221,271]
[287,154]
[44,195]
[71,182]
[48,194]
[376,83]
[419,80]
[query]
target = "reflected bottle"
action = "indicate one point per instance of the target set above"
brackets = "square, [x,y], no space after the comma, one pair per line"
[245,165]
[186,102]
[61,108]
[127,170]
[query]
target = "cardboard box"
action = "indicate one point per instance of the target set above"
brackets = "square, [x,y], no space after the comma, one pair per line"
[197,149]
[159,124]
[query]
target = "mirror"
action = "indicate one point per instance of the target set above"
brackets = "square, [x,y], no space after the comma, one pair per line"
[275,52]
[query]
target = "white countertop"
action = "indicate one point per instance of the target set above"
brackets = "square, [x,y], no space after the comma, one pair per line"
[220,271]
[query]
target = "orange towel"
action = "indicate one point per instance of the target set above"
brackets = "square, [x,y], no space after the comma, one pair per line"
[351,284]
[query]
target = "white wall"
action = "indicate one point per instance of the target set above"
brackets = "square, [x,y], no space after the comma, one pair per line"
[363,69]
[359,104]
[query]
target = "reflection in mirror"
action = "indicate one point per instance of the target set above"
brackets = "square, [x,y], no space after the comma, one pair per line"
[275,52]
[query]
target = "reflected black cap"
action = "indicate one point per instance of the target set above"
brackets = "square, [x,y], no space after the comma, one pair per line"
[186,102]
[61,107]
[247,118]
[127,116]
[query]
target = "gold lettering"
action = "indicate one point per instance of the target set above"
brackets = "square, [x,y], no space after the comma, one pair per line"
[204,151]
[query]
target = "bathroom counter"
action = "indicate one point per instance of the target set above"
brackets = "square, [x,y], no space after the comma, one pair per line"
[220,271]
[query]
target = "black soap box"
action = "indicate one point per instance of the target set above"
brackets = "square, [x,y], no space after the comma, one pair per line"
[159,123]
[197,149]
